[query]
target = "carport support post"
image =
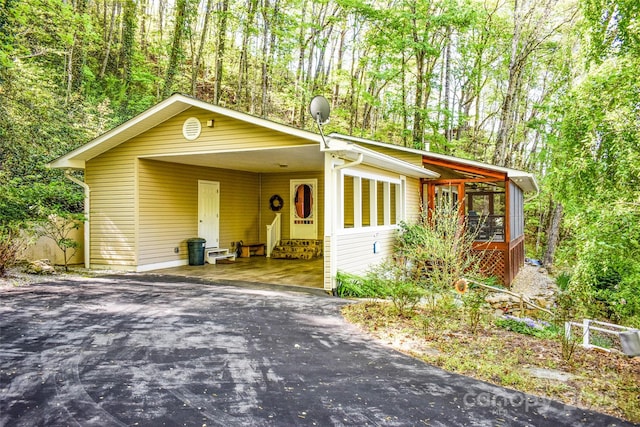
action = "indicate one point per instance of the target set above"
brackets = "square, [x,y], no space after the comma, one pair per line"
[334,166]
[331,214]
[87,228]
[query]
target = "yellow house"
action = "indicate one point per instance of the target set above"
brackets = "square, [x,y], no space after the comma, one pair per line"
[187,168]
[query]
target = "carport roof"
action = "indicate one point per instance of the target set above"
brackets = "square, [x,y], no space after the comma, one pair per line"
[155,115]
[294,158]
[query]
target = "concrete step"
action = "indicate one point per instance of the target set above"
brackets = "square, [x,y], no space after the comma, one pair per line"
[211,255]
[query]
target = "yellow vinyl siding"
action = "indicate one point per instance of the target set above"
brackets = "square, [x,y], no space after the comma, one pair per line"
[413,202]
[227,135]
[167,192]
[112,212]
[278,183]
[169,208]
[327,262]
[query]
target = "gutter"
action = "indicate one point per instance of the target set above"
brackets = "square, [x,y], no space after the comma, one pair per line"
[356,162]
[87,228]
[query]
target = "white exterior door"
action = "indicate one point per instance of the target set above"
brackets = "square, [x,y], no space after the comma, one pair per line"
[304,209]
[209,212]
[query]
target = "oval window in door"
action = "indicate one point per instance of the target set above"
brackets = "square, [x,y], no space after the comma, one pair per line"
[303,201]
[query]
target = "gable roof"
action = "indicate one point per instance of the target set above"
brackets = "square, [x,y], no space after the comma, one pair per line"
[164,110]
[179,103]
[526,181]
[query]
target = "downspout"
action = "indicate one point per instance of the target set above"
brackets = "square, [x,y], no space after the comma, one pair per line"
[530,198]
[87,228]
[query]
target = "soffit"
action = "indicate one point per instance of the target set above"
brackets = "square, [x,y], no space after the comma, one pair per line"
[273,160]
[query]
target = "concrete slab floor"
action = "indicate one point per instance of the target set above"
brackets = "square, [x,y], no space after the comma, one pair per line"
[256,269]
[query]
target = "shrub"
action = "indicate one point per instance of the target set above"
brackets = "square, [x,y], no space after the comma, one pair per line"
[527,326]
[563,281]
[392,277]
[12,243]
[438,250]
[58,228]
[351,285]
[387,280]
[474,302]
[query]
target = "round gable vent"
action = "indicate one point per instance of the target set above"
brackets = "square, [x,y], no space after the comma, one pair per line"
[191,128]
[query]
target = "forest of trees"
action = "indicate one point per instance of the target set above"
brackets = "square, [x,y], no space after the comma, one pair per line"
[547,86]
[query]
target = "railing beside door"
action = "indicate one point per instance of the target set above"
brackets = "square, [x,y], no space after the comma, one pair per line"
[273,233]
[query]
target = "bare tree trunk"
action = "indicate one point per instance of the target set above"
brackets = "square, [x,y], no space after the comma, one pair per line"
[195,68]
[553,236]
[447,87]
[243,65]
[269,14]
[109,40]
[339,62]
[176,47]
[76,53]
[143,26]
[222,33]
[418,137]
[162,5]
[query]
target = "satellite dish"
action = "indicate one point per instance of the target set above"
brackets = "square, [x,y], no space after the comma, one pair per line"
[319,109]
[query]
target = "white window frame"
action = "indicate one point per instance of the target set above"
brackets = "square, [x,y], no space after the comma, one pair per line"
[400,202]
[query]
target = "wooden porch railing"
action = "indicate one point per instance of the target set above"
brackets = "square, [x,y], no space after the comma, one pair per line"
[273,233]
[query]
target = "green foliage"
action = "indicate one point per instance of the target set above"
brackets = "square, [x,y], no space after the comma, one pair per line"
[526,326]
[58,228]
[566,310]
[474,304]
[438,250]
[563,281]
[612,27]
[386,280]
[25,200]
[429,257]
[597,176]
[27,207]
[12,242]
[392,276]
[351,285]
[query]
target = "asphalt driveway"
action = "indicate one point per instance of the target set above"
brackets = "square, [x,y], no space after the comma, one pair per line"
[138,350]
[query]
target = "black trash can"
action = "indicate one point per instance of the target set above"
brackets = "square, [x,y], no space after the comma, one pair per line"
[196,247]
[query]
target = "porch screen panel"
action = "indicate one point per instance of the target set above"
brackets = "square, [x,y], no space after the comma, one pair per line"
[485,210]
[516,211]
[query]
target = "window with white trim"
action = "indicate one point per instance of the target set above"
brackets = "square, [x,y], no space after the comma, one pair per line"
[370,201]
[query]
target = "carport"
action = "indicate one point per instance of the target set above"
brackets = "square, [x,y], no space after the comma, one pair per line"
[256,269]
